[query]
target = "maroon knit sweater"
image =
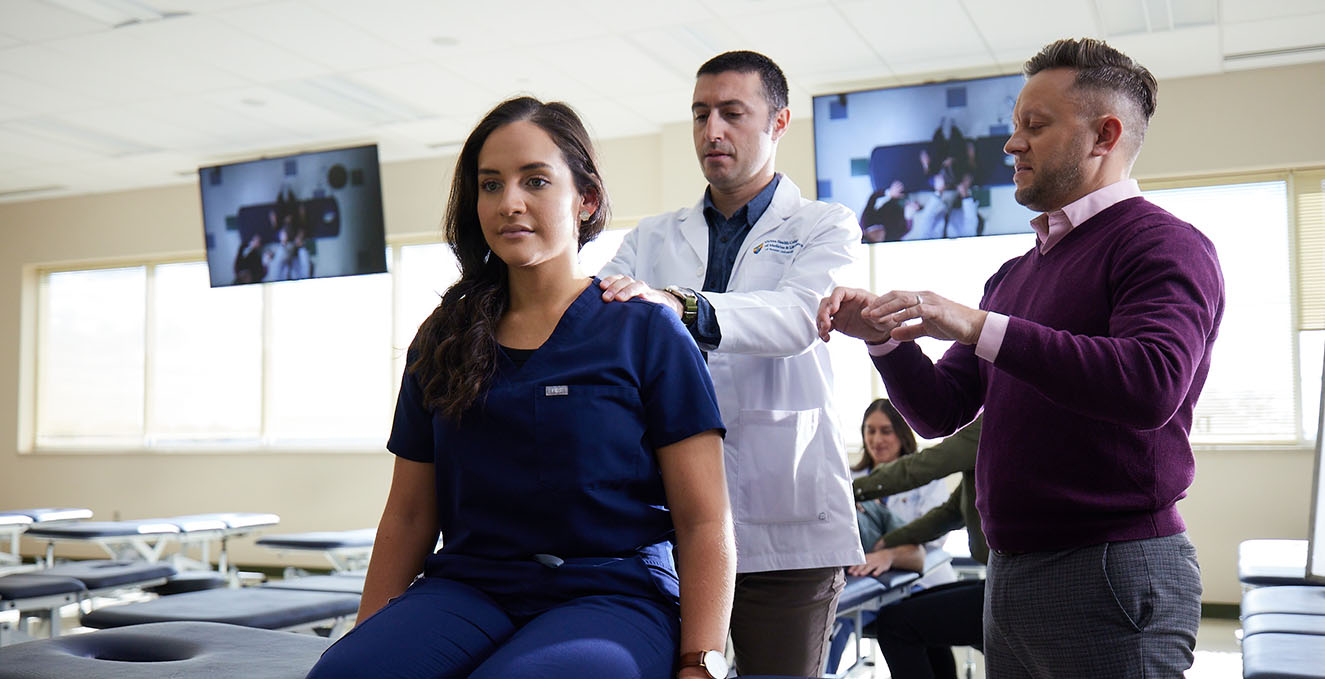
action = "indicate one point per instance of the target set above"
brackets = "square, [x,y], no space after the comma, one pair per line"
[1089,403]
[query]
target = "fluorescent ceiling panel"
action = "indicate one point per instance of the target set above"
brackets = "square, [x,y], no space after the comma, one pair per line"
[79,137]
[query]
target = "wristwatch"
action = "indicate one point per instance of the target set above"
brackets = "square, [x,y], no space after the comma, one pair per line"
[714,663]
[689,302]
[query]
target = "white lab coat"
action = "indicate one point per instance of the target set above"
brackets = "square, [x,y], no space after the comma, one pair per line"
[786,463]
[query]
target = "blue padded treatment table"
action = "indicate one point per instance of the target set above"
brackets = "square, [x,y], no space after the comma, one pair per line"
[261,607]
[190,581]
[203,528]
[49,514]
[103,575]
[1273,655]
[322,540]
[14,521]
[1284,623]
[345,549]
[35,594]
[1302,599]
[1264,563]
[345,583]
[169,649]
[146,537]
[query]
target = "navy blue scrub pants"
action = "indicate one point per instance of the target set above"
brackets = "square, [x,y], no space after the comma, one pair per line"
[443,628]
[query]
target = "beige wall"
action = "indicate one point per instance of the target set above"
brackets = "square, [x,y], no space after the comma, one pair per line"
[1240,121]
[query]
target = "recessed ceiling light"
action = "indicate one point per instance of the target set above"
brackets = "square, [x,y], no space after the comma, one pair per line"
[445,41]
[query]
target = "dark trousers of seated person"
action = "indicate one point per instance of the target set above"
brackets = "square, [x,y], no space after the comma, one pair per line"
[1118,609]
[917,633]
[781,620]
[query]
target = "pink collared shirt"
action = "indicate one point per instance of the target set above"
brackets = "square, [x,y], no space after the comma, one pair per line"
[1050,228]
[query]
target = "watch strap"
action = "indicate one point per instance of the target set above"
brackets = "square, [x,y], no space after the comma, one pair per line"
[689,303]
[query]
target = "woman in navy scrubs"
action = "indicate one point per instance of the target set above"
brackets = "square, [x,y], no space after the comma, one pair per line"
[558,442]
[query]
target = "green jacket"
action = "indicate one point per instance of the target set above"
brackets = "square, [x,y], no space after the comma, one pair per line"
[953,454]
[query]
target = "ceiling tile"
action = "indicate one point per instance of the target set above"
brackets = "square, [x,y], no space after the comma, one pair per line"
[314,35]
[1013,39]
[806,39]
[144,128]
[605,118]
[126,54]
[220,45]
[40,148]
[69,78]
[298,119]
[908,44]
[1275,34]
[427,87]
[33,21]
[1174,54]
[1237,11]
[629,71]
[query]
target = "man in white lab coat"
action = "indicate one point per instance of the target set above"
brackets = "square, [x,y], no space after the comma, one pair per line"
[745,268]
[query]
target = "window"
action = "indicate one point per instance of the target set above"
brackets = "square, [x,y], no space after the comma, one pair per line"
[90,359]
[151,355]
[1260,364]
[1249,394]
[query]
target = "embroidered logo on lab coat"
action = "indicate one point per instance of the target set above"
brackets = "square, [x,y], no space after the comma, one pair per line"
[778,246]
[559,390]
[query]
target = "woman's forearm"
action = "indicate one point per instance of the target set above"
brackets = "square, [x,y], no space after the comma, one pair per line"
[406,535]
[399,550]
[706,564]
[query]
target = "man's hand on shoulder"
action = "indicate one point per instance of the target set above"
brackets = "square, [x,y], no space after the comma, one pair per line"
[620,288]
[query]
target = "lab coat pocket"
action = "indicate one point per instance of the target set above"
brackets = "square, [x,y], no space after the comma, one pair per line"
[778,478]
[588,435]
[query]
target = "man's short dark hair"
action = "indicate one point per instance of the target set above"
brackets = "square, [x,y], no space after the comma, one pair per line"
[744,61]
[1099,67]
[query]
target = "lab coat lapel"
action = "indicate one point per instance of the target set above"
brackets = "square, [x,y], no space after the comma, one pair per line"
[785,201]
[695,230]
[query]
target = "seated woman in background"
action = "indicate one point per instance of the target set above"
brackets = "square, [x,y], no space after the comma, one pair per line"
[537,429]
[887,438]
[916,633]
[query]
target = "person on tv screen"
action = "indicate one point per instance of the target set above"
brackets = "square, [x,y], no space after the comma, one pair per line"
[540,429]
[250,265]
[884,218]
[1087,355]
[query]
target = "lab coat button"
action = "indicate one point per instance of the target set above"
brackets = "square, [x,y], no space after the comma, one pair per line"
[823,516]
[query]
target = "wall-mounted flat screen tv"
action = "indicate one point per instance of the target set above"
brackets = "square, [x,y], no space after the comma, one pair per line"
[306,215]
[921,162]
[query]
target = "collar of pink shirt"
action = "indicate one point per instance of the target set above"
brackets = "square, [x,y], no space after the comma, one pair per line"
[1051,227]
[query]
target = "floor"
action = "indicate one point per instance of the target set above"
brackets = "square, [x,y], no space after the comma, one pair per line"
[1218,655]
[1217,649]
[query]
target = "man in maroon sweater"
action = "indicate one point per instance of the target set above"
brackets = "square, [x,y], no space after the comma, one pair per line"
[1087,355]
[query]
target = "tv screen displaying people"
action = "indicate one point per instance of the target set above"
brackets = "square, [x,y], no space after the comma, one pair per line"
[921,162]
[308,215]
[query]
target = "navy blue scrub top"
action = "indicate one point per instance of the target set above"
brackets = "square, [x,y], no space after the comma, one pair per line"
[558,457]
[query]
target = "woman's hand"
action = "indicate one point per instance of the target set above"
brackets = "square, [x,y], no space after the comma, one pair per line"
[875,563]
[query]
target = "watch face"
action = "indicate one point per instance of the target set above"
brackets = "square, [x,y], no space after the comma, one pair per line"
[715,663]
